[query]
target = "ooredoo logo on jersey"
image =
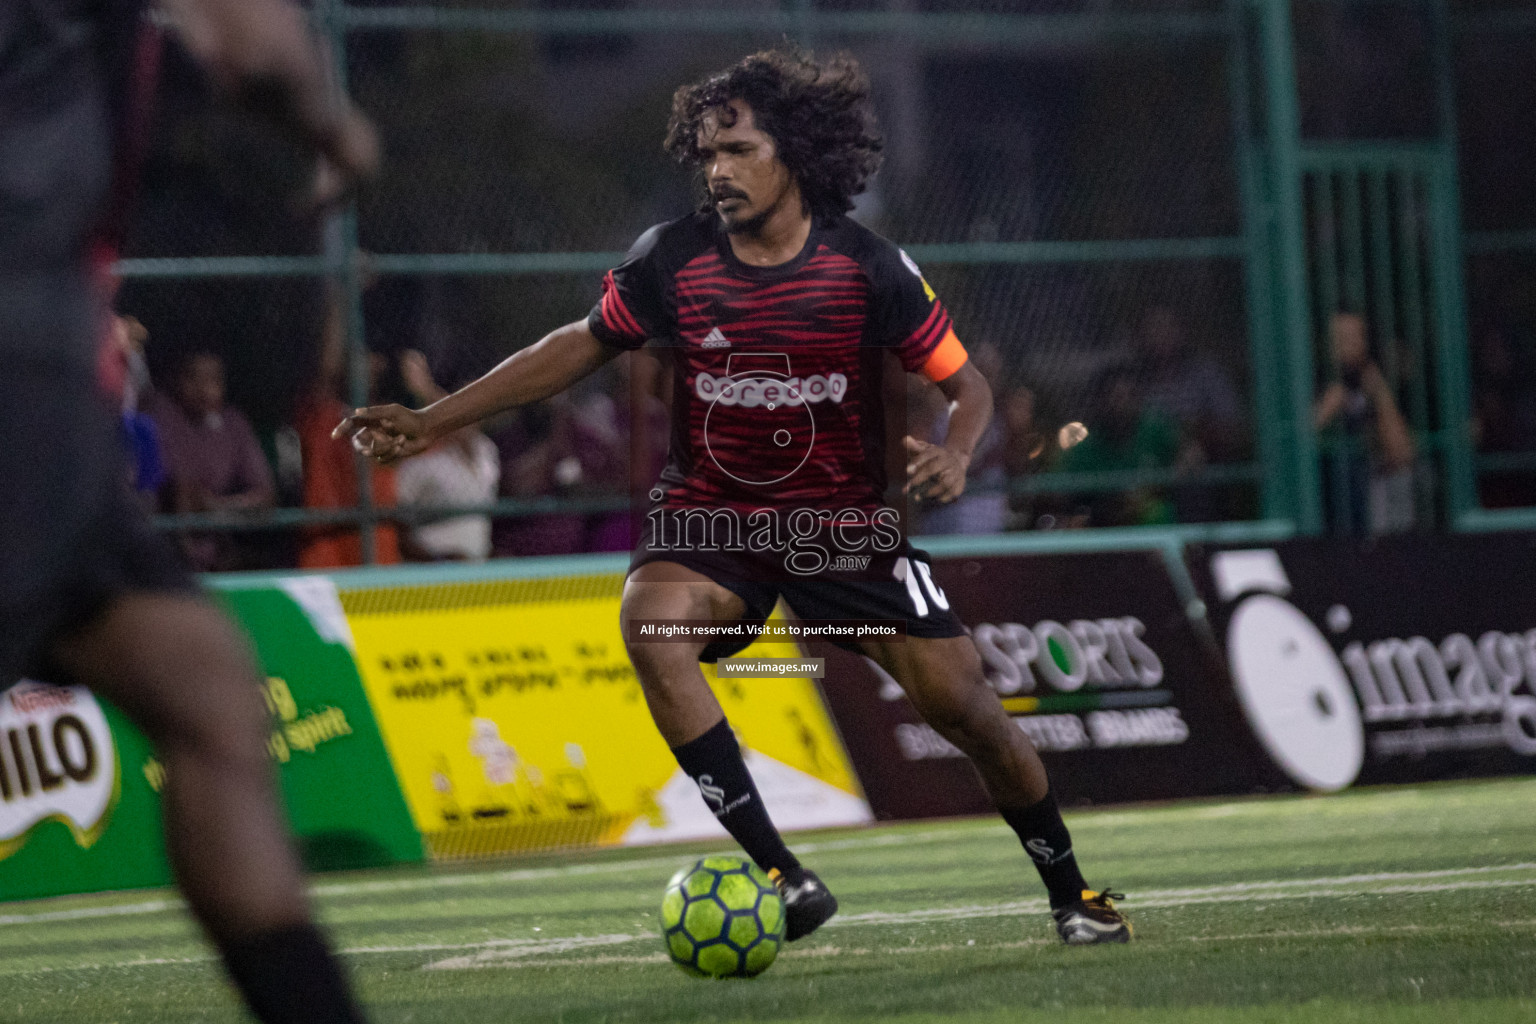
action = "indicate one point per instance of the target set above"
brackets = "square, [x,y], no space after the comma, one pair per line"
[57,762]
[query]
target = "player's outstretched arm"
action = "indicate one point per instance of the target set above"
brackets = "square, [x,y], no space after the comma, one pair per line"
[262,53]
[389,433]
[937,471]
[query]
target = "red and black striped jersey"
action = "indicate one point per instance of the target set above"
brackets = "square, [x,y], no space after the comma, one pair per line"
[778,396]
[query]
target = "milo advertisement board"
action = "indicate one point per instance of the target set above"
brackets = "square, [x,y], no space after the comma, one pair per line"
[62,794]
[1096,660]
[80,787]
[1399,660]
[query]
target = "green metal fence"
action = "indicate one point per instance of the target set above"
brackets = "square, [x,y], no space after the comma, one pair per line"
[1314,224]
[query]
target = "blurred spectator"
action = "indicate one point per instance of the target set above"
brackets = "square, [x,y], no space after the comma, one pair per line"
[461,469]
[604,439]
[129,377]
[330,468]
[600,420]
[1196,394]
[1504,372]
[647,423]
[1372,466]
[540,459]
[575,446]
[213,460]
[1026,450]
[983,508]
[1124,435]
[642,396]
[1504,365]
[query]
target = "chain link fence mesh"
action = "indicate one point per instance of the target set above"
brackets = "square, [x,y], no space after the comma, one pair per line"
[1106,130]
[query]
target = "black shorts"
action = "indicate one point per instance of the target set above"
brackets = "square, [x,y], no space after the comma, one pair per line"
[896,586]
[71,536]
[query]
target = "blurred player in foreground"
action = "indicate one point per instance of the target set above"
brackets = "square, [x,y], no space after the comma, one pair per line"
[88,594]
[782,316]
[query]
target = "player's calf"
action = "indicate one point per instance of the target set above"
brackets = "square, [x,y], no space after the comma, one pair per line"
[943,677]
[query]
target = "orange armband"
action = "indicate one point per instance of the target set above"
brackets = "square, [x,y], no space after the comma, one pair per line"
[947,357]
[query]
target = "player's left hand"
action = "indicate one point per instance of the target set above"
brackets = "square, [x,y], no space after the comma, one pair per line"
[934,473]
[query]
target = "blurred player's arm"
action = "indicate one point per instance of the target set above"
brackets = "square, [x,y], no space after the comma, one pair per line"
[546,368]
[937,471]
[1327,408]
[262,53]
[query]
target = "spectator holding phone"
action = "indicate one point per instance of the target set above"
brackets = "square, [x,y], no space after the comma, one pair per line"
[1375,460]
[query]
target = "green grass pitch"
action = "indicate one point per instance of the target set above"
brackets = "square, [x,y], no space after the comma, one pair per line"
[1388,905]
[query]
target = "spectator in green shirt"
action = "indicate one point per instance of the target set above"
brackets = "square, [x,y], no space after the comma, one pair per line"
[1124,435]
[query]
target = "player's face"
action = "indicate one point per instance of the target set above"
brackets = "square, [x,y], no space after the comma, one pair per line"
[1350,347]
[747,181]
[201,387]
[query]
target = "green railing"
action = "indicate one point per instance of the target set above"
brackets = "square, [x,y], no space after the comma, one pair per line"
[1283,179]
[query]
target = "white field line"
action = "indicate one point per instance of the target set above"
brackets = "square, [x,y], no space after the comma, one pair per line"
[1378,876]
[1307,894]
[612,867]
[88,913]
[1234,892]
[490,952]
[112,965]
[1155,898]
[1354,929]
[465,963]
[513,963]
[1172,898]
[470,963]
[618,867]
[883,839]
[483,878]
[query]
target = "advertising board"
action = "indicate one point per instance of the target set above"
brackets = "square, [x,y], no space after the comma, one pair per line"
[1095,658]
[80,787]
[515,721]
[1403,659]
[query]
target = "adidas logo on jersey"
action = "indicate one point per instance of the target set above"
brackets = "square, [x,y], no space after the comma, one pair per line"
[714,339]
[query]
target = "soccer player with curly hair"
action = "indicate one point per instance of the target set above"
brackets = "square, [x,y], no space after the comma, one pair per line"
[785,322]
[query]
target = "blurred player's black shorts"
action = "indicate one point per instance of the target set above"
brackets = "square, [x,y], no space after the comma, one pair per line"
[898,586]
[71,536]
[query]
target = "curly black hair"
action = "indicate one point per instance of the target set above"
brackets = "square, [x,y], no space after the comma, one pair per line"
[818,114]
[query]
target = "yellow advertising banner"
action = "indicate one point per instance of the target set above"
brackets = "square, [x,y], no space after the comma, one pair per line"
[514,721]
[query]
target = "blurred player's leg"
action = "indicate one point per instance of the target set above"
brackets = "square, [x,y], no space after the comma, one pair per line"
[177,667]
[691,721]
[944,680]
[89,594]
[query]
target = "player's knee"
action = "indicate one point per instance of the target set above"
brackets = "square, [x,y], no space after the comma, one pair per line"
[215,711]
[231,735]
[659,661]
[662,668]
[966,713]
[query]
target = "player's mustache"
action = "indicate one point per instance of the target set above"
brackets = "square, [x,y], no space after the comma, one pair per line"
[720,195]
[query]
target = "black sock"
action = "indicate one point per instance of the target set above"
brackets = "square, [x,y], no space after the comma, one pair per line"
[288,976]
[1049,845]
[714,762]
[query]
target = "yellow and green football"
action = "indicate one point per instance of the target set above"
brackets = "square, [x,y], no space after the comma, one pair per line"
[722,918]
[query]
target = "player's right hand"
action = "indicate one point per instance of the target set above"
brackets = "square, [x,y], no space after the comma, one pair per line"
[385,433]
